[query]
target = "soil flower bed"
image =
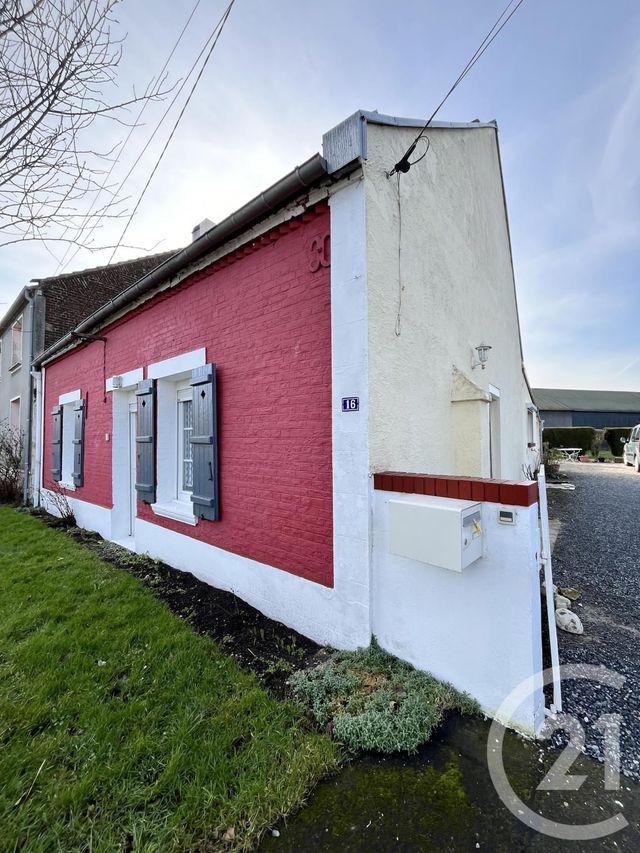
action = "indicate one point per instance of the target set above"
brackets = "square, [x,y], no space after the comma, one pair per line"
[120,727]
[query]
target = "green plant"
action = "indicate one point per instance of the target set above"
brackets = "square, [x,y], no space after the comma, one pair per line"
[615,437]
[582,437]
[121,728]
[551,462]
[373,701]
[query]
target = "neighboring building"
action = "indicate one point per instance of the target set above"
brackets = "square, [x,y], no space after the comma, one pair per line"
[42,313]
[246,405]
[560,407]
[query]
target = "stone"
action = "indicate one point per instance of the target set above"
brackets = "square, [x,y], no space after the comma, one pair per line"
[568,621]
[561,601]
[569,592]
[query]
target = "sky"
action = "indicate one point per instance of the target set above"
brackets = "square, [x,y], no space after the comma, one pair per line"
[562,80]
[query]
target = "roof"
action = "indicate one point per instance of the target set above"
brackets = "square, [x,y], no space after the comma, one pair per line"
[83,290]
[572,400]
[117,273]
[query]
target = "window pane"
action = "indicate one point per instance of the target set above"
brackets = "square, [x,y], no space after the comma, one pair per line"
[187,451]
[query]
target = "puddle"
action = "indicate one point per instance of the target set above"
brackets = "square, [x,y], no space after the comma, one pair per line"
[443,799]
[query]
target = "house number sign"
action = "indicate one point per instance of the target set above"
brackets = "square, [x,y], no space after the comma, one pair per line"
[350,404]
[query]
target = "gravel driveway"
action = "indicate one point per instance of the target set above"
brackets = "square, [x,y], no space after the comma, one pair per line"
[598,552]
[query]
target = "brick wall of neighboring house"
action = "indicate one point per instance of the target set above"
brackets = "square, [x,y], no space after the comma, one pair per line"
[72,297]
[265,319]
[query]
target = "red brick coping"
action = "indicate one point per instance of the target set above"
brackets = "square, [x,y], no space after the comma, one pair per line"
[466,488]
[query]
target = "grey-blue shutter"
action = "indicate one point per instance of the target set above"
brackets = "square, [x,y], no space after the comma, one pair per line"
[56,444]
[204,443]
[145,442]
[78,443]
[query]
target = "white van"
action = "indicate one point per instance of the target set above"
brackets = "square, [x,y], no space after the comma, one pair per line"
[631,449]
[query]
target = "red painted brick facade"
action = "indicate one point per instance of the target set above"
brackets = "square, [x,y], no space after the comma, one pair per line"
[265,320]
[465,488]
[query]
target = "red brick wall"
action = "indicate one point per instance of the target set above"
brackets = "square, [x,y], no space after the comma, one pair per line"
[264,318]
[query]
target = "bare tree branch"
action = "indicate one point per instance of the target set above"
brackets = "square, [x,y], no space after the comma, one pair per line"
[58,58]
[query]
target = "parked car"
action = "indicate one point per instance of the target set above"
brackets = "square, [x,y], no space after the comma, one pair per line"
[631,449]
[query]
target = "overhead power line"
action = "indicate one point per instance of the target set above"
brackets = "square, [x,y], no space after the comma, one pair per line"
[215,34]
[62,265]
[404,164]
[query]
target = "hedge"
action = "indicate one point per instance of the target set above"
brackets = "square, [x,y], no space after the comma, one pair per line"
[614,437]
[582,437]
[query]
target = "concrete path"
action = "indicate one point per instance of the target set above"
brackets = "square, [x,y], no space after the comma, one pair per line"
[598,552]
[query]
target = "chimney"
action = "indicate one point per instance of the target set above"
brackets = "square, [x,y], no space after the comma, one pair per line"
[201,228]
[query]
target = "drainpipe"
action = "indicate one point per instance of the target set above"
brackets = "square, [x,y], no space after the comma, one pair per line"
[38,377]
[27,451]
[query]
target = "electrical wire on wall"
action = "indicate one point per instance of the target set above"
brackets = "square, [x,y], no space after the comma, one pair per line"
[398,328]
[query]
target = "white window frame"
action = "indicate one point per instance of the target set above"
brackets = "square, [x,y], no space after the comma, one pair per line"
[68,402]
[171,500]
[16,362]
[11,402]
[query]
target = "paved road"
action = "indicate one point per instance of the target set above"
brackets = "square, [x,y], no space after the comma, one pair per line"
[598,552]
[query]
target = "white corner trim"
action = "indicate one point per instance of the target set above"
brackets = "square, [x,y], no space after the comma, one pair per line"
[69,397]
[177,364]
[495,392]
[177,510]
[129,379]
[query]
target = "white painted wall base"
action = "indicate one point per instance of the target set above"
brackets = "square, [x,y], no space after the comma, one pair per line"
[329,616]
[479,629]
[90,516]
[338,617]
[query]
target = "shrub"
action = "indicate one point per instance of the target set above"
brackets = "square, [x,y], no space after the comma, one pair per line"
[10,463]
[55,499]
[582,437]
[551,462]
[614,436]
[373,701]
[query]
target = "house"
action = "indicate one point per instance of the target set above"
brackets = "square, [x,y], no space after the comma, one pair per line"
[561,407]
[43,312]
[320,404]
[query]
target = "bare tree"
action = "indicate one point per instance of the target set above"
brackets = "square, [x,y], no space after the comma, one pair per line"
[58,58]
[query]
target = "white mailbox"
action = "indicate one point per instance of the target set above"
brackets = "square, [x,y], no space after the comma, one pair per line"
[441,531]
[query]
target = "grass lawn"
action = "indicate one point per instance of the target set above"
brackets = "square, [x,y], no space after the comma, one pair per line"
[121,729]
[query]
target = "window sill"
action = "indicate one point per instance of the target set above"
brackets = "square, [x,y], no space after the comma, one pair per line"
[176,510]
[70,487]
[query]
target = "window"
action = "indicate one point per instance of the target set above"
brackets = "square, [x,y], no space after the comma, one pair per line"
[184,449]
[14,413]
[174,454]
[16,343]
[67,446]
[67,441]
[177,459]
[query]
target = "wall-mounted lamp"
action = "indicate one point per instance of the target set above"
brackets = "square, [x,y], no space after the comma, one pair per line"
[483,355]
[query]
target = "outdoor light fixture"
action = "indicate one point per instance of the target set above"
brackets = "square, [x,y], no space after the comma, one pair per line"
[483,355]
